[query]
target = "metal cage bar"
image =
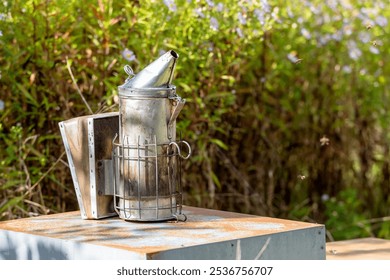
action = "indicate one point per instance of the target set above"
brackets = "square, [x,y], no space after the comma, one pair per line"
[155,199]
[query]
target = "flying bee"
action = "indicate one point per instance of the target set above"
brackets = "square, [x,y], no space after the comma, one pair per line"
[302,177]
[299,60]
[324,141]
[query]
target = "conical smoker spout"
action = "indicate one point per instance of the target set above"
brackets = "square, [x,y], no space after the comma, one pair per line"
[158,74]
[176,56]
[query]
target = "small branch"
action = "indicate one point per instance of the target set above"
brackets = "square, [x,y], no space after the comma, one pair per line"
[378,220]
[45,174]
[77,87]
[42,207]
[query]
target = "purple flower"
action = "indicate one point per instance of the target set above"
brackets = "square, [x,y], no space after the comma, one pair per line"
[364,37]
[325,197]
[266,7]
[239,32]
[305,33]
[346,5]
[289,13]
[210,3]
[171,5]
[332,4]
[260,16]
[353,51]
[199,12]
[315,10]
[210,48]
[381,21]
[323,40]
[220,7]
[128,55]
[347,29]
[374,50]
[337,36]
[241,18]
[347,69]
[214,24]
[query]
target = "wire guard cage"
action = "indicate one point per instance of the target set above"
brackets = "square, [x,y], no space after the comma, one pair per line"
[147,184]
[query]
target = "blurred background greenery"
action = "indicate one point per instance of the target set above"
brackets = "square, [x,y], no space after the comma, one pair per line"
[287,101]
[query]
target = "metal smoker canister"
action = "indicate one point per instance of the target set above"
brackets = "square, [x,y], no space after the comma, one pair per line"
[146,154]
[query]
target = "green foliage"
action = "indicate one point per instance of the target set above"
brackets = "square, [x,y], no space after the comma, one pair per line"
[346,219]
[287,101]
[384,231]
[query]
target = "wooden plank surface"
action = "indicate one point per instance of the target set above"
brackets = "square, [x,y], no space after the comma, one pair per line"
[359,249]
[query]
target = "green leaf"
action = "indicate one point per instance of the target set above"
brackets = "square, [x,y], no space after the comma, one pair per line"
[216,180]
[220,144]
[11,183]
[28,95]
[10,203]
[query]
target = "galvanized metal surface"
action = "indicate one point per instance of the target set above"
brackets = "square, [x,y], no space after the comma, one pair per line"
[88,145]
[207,234]
[159,73]
[147,116]
[359,249]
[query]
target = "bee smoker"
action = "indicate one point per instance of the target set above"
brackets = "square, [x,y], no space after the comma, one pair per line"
[140,179]
[146,153]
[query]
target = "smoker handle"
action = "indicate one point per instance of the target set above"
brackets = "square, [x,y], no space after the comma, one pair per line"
[179,105]
[179,151]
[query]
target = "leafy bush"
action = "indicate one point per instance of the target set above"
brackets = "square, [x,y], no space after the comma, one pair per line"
[287,101]
[345,217]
